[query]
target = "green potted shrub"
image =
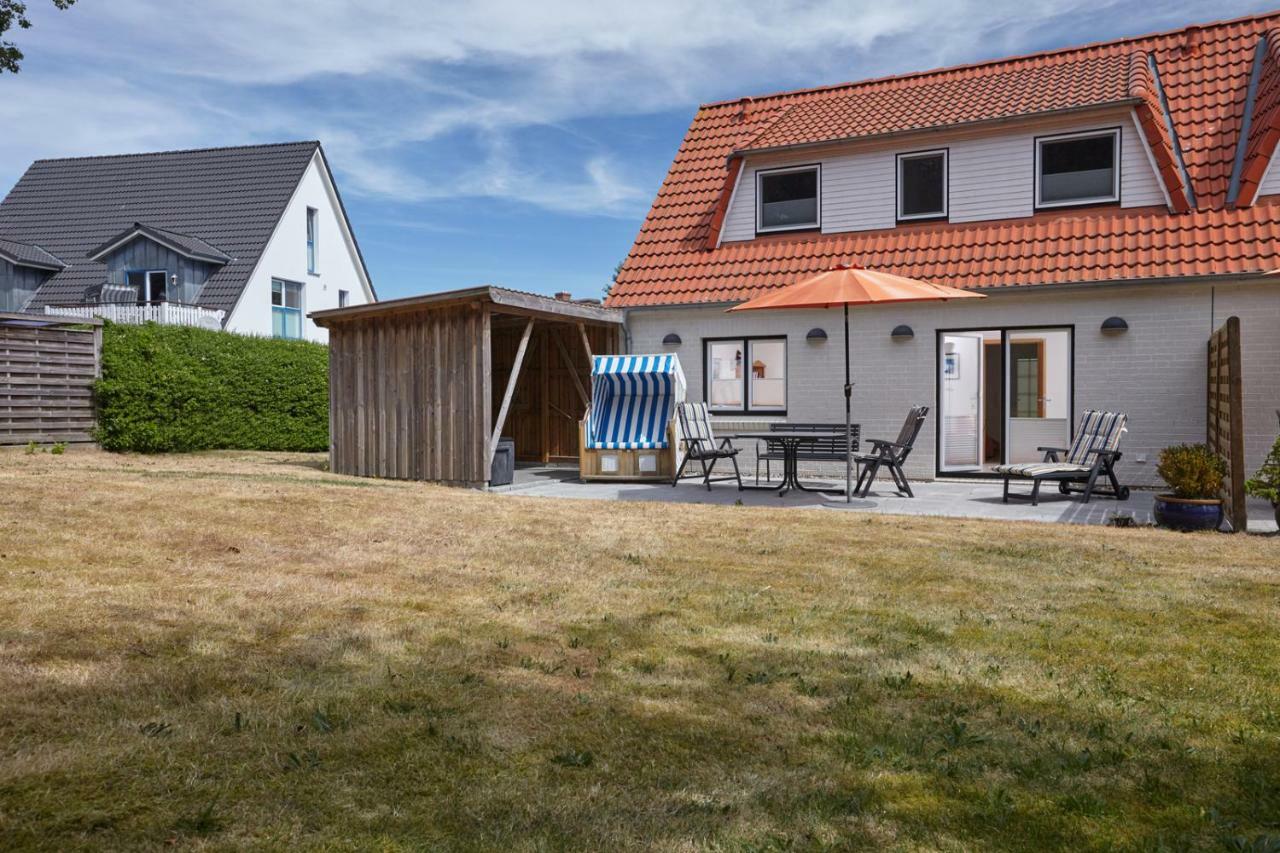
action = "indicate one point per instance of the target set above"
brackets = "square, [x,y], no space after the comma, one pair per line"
[1266,483]
[1195,473]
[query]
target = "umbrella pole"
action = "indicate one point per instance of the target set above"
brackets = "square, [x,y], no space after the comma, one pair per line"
[848,416]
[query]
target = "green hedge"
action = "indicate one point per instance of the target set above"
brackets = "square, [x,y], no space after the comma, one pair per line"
[173,388]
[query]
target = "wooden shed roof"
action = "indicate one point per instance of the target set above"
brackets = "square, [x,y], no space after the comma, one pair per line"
[505,300]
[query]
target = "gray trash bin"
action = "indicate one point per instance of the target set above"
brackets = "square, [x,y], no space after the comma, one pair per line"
[503,470]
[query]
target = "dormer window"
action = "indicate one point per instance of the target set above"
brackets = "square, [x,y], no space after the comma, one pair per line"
[1078,168]
[922,185]
[788,199]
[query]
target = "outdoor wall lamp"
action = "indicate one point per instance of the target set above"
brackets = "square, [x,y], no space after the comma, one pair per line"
[902,333]
[816,336]
[671,340]
[1114,326]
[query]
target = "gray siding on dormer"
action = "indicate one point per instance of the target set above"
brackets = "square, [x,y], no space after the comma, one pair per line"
[141,254]
[18,284]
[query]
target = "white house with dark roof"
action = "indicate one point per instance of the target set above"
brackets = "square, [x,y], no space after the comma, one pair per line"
[248,239]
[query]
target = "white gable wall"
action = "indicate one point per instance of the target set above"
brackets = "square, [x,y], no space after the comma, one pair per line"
[338,265]
[990,173]
[1270,183]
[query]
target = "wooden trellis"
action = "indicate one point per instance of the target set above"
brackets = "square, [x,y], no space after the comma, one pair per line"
[1226,417]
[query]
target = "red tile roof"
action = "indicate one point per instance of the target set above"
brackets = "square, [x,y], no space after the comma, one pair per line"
[1264,130]
[1204,71]
[1157,128]
[1021,87]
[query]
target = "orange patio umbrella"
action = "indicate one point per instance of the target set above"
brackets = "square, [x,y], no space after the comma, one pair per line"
[845,286]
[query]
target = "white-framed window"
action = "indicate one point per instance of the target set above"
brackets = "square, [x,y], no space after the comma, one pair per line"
[312,240]
[922,185]
[1078,168]
[344,298]
[746,374]
[286,308]
[789,199]
[150,285]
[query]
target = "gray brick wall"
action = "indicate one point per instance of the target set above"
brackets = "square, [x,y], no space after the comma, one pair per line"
[1155,371]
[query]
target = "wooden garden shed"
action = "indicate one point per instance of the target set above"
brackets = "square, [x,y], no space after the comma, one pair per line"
[422,388]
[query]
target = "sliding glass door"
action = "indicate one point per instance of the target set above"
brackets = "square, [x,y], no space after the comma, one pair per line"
[960,380]
[1002,393]
[1039,368]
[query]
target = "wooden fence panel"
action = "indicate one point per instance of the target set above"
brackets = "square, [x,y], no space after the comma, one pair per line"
[46,380]
[1226,417]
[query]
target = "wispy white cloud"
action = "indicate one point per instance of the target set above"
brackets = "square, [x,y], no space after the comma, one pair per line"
[72,114]
[425,101]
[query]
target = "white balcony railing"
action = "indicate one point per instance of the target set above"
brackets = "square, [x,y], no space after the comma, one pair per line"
[165,313]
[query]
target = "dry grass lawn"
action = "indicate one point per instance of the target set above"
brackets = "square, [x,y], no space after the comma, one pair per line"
[229,651]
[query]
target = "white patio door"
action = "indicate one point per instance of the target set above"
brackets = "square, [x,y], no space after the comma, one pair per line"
[1039,399]
[960,399]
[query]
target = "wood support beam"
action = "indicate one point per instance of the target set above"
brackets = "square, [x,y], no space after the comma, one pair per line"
[573,372]
[586,344]
[544,395]
[510,392]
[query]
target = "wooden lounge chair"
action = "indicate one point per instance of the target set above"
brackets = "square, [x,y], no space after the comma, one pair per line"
[700,445]
[1094,453]
[891,454]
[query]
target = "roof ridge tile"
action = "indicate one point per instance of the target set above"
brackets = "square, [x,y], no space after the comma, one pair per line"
[1052,52]
[207,150]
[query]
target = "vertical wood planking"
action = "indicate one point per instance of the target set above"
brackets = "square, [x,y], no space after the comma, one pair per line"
[415,382]
[404,399]
[337,392]
[479,385]
[544,395]
[431,437]
[486,370]
[447,412]
[378,377]
[1225,417]
[390,373]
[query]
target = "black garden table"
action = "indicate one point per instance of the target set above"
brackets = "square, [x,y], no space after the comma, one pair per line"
[790,442]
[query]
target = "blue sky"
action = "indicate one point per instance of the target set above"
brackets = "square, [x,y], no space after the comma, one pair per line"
[510,143]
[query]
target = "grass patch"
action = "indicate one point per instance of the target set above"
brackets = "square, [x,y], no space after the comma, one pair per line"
[231,650]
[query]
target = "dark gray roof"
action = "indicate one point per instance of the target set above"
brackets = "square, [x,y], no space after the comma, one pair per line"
[183,244]
[27,255]
[230,198]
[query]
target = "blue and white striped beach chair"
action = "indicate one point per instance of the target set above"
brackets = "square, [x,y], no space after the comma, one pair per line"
[1094,453]
[633,400]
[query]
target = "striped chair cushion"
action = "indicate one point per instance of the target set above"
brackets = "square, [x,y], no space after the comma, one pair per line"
[1097,431]
[1040,469]
[695,422]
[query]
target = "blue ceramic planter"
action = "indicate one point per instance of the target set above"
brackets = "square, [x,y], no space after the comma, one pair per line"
[1187,514]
